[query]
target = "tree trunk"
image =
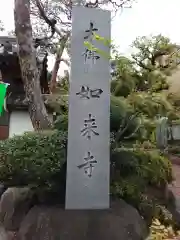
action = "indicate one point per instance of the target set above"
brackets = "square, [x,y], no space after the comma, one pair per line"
[57,62]
[55,72]
[29,70]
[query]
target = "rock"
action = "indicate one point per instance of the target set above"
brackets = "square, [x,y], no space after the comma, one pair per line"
[2,189]
[173,194]
[14,204]
[12,235]
[121,221]
[174,207]
[3,234]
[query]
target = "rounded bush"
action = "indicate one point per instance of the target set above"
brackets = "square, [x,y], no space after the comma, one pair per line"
[61,123]
[150,165]
[133,170]
[33,159]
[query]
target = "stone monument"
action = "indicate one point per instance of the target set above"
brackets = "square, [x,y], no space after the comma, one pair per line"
[162,133]
[87,184]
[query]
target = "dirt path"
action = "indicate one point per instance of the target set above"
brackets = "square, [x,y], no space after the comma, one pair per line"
[175,187]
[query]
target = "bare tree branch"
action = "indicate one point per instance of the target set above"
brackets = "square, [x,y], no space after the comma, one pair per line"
[62,13]
[58,60]
[46,19]
[66,61]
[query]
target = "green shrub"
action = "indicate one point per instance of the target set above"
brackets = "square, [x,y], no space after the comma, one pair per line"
[34,159]
[58,102]
[61,123]
[120,112]
[132,170]
[138,175]
[38,160]
[150,166]
[174,150]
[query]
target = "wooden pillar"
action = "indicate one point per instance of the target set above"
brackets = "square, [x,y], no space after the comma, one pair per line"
[4,125]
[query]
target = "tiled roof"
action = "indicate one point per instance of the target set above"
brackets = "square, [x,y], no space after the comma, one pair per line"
[8,46]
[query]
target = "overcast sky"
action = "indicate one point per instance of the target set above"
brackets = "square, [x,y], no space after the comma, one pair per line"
[144,18]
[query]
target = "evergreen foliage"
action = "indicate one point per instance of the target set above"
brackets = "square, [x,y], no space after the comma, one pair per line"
[139,96]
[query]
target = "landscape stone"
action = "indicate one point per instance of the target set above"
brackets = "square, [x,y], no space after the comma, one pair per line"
[3,234]
[14,204]
[120,222]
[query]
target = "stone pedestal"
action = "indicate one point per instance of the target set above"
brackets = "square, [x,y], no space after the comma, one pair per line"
[120,222]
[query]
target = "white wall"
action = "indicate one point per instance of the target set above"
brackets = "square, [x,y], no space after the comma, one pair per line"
[174,81]
[19,123]
[176,132]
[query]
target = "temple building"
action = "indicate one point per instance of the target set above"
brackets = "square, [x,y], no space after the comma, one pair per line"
[15,119]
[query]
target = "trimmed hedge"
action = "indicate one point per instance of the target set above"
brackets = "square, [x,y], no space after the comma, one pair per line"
[134,170]
[149,165]
[38,160]
[34,159]
[120,112]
